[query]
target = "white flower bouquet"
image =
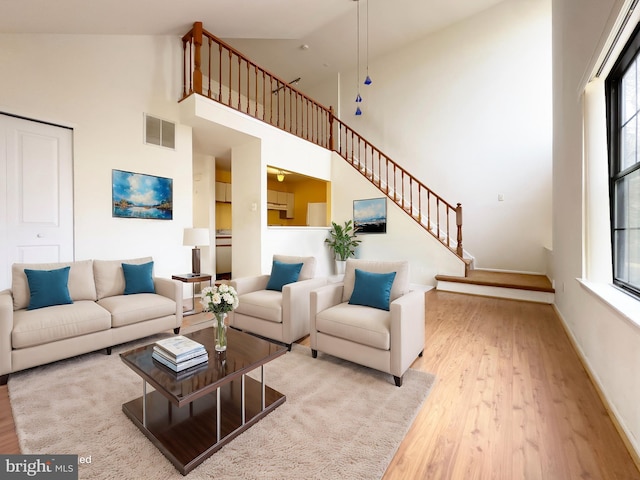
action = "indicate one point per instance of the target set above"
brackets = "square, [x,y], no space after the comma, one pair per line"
[219,299]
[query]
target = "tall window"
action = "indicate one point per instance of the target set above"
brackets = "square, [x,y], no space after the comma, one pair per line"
[623,112]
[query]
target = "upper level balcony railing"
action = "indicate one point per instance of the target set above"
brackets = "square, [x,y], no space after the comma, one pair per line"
[216,70]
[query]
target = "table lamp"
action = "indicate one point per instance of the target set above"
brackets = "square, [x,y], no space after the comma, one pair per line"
[196,237]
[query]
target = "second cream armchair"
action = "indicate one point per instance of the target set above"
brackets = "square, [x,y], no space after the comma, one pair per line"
[371,318]
[283,315]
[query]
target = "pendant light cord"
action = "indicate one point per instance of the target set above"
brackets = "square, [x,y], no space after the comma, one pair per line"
[358,45]
[367,40]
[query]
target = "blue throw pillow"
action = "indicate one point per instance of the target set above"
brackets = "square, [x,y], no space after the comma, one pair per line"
[48,287]
[138,278]
[283,273]
[372,289]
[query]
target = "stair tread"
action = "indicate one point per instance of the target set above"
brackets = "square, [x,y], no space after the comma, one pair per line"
[524,281]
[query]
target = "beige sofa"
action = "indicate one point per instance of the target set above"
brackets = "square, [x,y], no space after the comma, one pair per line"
[99,317]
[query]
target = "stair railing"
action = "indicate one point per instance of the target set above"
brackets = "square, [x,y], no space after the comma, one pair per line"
[218,71]
[225,75]
[426,207]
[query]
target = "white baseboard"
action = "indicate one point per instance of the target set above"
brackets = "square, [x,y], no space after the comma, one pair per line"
[618,422]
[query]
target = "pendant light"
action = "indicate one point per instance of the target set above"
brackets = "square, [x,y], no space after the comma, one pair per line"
[367,81]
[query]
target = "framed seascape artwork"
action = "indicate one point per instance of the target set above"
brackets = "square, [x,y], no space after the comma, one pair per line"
[136,195]
[370,216]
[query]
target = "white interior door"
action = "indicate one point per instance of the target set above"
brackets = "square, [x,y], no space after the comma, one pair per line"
[37,217]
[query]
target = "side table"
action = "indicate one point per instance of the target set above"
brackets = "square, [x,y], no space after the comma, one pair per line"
[192,278]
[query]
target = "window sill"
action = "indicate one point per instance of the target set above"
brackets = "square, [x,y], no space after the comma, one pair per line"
[625,305]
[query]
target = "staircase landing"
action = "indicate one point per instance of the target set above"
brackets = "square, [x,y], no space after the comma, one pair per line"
[517,286]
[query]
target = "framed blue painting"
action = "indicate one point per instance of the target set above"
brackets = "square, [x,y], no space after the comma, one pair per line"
[137,195]
[370,215]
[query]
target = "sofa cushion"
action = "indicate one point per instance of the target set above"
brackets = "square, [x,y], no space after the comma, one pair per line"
[138,278]
[129,309]
[48,287]
[372,289]
[265,304]
[282,274]
[400,283]
[364,325]
[81,285]
[109,276]
[308,268]
[45,325]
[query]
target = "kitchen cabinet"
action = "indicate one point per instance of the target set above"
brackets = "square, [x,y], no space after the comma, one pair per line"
[290,205]
[223,192]
[281,201]
[223,254]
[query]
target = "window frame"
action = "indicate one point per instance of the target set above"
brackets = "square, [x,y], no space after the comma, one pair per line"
[613,92]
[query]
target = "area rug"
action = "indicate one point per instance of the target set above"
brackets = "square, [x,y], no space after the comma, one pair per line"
[340,420]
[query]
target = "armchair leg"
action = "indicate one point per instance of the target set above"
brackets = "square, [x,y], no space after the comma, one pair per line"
[398,381]
[420,354]
[314,353]
[4,379]
[289,346]
[108,350]
[176,330]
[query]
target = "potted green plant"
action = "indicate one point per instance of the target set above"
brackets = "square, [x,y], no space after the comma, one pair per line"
[343,242]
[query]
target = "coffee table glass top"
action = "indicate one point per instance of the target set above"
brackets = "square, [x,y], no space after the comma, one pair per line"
[244,353]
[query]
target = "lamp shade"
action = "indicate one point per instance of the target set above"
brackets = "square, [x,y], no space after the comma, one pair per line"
[196,237]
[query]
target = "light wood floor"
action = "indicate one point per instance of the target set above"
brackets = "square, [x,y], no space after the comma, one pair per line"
[511,400]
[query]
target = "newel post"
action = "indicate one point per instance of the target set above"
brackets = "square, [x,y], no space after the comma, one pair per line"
[459,250]
[331,118]
[197,73]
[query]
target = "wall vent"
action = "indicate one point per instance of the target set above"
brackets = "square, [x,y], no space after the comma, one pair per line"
[159,132]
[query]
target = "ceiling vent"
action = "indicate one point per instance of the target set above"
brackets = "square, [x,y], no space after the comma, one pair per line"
[159,132]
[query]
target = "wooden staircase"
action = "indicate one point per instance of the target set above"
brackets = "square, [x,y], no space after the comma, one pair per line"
[517,286]
[217,71]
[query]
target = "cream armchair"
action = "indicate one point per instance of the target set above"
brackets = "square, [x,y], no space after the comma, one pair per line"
[349,319]
[278,315]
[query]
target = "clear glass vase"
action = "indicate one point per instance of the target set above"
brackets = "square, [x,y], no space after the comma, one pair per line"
[220,332]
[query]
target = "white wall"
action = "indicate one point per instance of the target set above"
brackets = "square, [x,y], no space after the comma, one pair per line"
[404,240]
[101,86]
[608,340]
[204,206]
[254,145]
[467,110]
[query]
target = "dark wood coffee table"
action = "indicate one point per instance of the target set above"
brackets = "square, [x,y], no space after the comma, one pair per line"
[190,418]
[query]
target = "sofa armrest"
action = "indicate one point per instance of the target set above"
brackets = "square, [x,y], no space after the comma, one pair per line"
[325,297]
[407,330]
[171,289]
[295,307]
[6,327]
[250,284]
[320,299]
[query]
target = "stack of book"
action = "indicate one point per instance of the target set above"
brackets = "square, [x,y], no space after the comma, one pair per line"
[179,353]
